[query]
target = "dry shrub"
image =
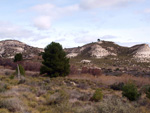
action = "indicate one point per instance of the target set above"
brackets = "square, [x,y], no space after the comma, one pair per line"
[28,65]
[4,111]
[85,70]
[31,66]
[109,80]
[92,70]
[115,104]
[12,104]
[73,70]
[58,98]
[7,63]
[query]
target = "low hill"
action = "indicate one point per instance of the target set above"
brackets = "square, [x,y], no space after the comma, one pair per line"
[9,48]
[106,48]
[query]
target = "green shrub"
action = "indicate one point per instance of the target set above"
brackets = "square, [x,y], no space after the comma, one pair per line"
[12,77]
[116,86]
[97,96]
[22,71]
[148,93]
[130,91]
[18,57]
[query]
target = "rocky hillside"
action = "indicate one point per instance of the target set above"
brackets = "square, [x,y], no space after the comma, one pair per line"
[97,49]
[141,52]
[105,48]
[9,48]
[102,49]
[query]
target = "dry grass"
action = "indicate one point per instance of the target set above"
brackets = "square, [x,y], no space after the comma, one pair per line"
[109,80]
[9,71]
[68,95]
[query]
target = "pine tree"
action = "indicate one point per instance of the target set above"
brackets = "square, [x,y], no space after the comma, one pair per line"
[54,62]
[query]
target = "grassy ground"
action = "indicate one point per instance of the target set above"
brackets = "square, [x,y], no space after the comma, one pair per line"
[111,62]
[71,94]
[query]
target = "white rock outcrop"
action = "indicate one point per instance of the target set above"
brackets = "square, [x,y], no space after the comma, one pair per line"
[143,53]
[71,55]
[99,52]
[86,61]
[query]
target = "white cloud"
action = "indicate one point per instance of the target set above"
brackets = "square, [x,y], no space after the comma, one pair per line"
[16,32]
[147,11]
[48,13]
[86,39]
[128,44]
[42,22]
[9,30]
[108,37]
[89,4]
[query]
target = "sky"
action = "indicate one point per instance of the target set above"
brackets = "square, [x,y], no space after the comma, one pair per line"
[74,23]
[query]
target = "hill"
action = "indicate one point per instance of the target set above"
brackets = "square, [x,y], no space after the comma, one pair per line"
[106,48]
[9,48]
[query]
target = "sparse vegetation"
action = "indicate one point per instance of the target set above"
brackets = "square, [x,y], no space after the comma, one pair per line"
[148,93]
[98,95]
[117,86]
[64,94]
[130,91]
[87,89]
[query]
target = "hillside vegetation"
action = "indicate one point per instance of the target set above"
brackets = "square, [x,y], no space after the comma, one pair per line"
[73,94]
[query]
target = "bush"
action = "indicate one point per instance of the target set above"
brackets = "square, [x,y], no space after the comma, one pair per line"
[12,104]
[58,98]
[93,71]
[18,57]
[117,86]
[12,77]
[148,93]
[116,104]
[3,87]
[130,91]
[97,96]
[31,66]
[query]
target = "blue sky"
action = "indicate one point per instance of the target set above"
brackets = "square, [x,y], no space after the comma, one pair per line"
[74,23]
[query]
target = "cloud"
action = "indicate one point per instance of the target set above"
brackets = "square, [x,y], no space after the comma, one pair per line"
[108,37]
[90,4]
[129,44]
[147,11]
[42,22]
[9,30]
[60,40]
[86,39]
[48,13]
